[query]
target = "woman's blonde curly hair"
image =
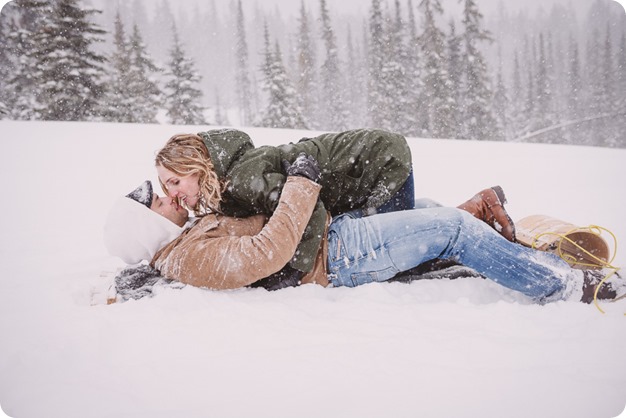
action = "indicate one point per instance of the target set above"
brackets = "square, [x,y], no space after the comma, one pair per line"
[184,155]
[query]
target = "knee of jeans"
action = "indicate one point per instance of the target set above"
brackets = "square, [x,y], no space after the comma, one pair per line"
[451,216]
[471,224]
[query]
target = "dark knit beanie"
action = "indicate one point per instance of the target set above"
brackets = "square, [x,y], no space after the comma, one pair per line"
[142,194]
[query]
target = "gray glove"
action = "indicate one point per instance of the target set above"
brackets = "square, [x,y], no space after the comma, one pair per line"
[303,166]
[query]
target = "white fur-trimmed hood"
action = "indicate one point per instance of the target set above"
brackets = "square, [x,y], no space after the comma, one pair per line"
[134,233]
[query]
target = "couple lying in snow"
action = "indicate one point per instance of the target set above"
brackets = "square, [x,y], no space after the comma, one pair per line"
[334,210]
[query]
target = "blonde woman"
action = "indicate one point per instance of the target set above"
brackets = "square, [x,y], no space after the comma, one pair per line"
[362,171]
[221,171]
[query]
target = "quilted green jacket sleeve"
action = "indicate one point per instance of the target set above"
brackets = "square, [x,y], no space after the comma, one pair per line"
[254,186]
[360,169]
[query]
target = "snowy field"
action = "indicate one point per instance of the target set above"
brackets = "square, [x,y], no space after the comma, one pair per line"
[464,348]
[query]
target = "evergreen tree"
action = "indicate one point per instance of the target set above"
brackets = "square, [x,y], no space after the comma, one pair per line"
[500,103]
[517,119]
[305,64]
[390,105]
[282,109]
[27,14]
[375,94]
[19,26]
[395,75]
[621,74]
[455,88]
[546,100]
[331,97]
[242,69]
[5,71]
[182,98]
[478,117]
[608,83]
[594,100]
[543,94]
[530,93]
[141,86]
[556,83]
[119,105]
[354,99]
[620,70]
[13,85]
[416,106]
[593,67]
[574,105]
[435,76]
[68,71]
[574,93]
[621,90]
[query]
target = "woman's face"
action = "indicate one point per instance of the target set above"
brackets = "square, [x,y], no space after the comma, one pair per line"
[186,189]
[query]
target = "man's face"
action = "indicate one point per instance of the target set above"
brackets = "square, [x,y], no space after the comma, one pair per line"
[167,207]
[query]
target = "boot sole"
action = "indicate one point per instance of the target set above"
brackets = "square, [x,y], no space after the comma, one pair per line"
[502,198]
[500,194]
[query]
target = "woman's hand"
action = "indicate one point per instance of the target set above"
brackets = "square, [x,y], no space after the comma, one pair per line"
[303,166]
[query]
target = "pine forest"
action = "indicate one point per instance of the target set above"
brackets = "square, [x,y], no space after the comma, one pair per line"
[555,75]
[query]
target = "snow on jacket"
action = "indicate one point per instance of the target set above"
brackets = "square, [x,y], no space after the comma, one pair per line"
[222,252]
[360,168]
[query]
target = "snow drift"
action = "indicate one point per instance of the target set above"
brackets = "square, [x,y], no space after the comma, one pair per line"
[433,348]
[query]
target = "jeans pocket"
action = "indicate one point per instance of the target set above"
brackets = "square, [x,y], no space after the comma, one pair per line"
[383,275]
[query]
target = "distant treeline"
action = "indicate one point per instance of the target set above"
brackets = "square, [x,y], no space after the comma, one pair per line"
[404,68]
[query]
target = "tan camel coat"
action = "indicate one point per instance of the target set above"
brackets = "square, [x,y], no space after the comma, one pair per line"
[222,252]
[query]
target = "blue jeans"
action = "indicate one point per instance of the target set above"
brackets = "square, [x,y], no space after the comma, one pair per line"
[376,248]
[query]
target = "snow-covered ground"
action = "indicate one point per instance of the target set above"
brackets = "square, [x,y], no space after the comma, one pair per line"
[464,348]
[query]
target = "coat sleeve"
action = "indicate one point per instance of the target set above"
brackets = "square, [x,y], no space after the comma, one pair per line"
[230,262]
[257,183]
[367,167]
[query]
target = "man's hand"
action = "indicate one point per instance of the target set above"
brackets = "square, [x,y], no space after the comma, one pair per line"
[303,166]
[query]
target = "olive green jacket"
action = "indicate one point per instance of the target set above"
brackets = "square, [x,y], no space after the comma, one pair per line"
[360,168]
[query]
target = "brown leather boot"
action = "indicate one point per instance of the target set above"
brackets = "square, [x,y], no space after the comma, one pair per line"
[591,280]
[488,206]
